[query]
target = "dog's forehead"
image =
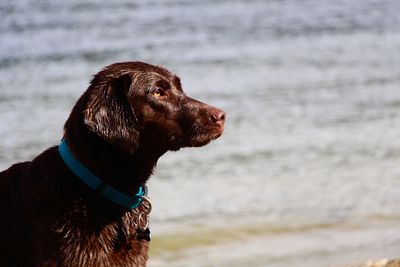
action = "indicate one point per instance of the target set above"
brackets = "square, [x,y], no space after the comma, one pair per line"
[130,67]
[162,71]
[142,73]
[167,76]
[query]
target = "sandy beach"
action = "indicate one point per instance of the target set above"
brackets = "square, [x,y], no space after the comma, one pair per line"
[258,244]
[381,263]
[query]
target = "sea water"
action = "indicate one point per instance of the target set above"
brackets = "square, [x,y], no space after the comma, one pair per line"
[307,172]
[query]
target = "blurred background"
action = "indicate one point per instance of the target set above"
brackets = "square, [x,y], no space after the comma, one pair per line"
[307,172]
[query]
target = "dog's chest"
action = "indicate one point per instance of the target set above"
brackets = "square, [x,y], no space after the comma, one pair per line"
[87,240]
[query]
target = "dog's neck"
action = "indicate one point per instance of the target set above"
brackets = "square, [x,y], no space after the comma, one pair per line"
[118,169]
[124,172]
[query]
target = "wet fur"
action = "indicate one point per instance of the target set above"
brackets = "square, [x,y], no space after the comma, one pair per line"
[118,129]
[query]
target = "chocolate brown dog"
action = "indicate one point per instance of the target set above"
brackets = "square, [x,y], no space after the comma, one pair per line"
[83,203]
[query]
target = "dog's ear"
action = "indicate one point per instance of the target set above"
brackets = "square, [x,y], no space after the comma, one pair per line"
[110,114]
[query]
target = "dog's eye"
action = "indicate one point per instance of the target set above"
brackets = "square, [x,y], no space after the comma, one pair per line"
[157,92]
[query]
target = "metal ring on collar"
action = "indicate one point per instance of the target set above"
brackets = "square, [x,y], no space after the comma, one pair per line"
[146,199]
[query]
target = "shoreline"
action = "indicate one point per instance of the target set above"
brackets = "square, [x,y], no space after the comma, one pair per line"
[381,263]
[335,245]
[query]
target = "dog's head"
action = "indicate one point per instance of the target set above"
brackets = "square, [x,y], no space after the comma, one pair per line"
[134,103]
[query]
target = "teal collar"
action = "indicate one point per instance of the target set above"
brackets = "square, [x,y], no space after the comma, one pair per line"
[96,183]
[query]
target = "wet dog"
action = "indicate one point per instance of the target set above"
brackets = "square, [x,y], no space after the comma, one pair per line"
[81,203]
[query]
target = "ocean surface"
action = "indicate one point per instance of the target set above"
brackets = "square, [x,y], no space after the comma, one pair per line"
[307,172]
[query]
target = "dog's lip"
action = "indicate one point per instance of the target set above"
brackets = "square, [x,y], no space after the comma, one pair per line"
[218,132]
[216,136]
[206,138]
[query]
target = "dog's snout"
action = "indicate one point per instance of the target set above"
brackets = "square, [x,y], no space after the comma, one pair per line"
[218,116]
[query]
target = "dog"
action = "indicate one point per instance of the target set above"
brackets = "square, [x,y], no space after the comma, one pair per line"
[83,202]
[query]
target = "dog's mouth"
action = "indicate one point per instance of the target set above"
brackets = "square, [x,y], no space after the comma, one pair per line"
[203,126]
[201,136]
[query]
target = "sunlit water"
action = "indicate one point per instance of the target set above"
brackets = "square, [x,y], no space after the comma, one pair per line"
[311,89]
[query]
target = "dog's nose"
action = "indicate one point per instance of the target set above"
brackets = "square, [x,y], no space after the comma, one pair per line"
[218,116]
